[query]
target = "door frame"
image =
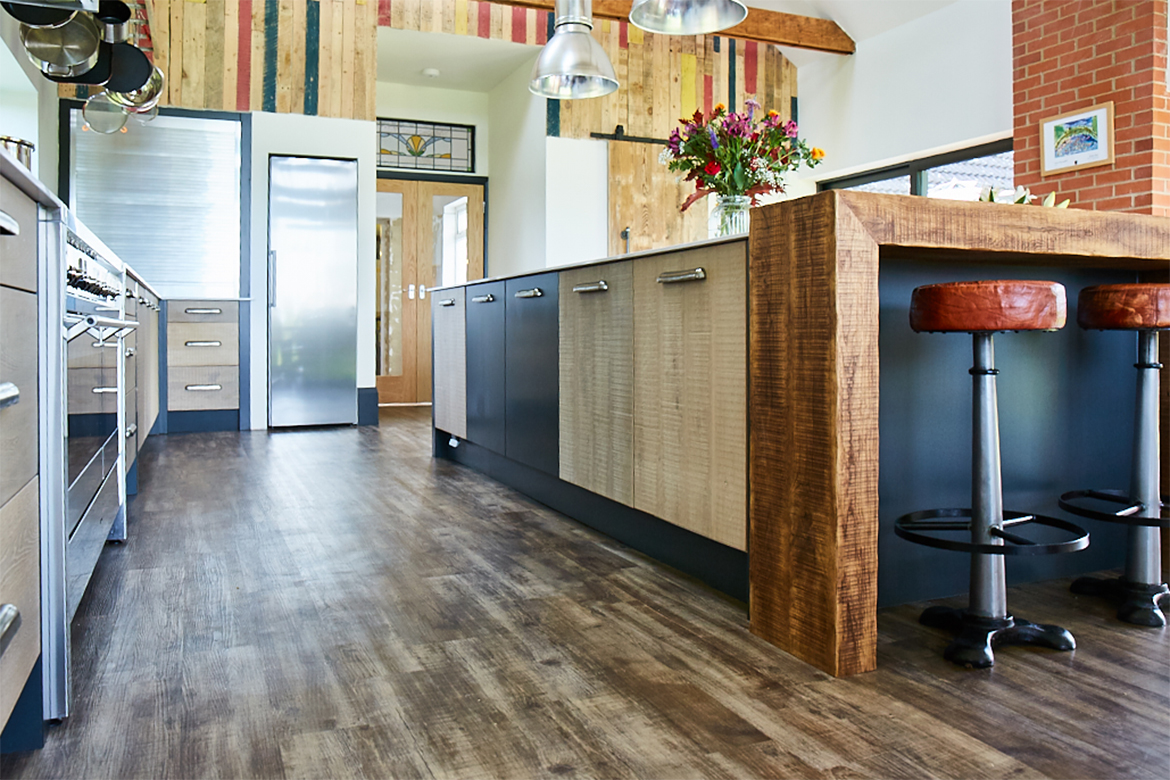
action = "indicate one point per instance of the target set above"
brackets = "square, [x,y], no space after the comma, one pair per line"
[482,181]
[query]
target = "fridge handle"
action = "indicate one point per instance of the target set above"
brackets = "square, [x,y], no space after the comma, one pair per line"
[272,278]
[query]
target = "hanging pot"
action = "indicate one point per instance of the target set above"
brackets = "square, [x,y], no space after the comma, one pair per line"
[96,76]
[114,16]
[67,50]
[144,99]
[131,68]
[38,16]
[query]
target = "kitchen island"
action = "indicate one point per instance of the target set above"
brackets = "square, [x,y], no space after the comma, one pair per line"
[805,405]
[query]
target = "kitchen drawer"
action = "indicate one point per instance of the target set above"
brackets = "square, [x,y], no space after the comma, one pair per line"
[20,585]
[203,344]
[18,254]
[201,388]
[203,311]
[18,366]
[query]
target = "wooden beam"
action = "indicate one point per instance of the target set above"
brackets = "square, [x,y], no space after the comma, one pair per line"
[800,32]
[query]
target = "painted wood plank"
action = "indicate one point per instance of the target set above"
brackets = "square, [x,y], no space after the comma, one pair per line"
[338,59]
[312,88]
[325,57]
[349,22]
[688,86]
[462,13]
[297,33]
[176,73]
[214,53]
[662,81]
[365,62]
[194,50]
[259,49]
[159,12]
[285,33]
[231,55]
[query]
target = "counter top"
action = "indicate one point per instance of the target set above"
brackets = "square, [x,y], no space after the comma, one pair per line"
[602,261]
[27,183]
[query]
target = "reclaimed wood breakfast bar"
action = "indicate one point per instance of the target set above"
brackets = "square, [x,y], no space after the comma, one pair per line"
[738,428]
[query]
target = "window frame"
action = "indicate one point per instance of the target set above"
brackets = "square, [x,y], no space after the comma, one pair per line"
[916,169]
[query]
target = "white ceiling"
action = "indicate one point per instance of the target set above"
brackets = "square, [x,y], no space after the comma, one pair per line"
[477,65]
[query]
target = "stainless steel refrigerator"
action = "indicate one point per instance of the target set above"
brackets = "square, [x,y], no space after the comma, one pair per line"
[312,291]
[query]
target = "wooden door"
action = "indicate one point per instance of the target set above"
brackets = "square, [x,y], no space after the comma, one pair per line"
[645,197]
[429,234]
[690,391]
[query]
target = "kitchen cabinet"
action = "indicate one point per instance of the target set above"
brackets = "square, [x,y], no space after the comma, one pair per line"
[485,365]
[532,413]
[690,390]
[449,321]
[203,355]
[596,372]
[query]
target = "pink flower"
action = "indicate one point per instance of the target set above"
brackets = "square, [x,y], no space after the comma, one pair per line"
[790,129]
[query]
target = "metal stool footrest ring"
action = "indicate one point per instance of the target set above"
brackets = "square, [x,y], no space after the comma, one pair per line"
[914,527]
[1131,512]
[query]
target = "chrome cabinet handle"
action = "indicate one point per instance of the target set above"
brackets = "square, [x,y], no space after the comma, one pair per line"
[131,430]
[9,624]
[8,225]
[422,292]
[105,390]
[211,311]
[447,302]
[535,292]
[588,287]
[203,344]
[9,395]
[204,388]
[483,299]
[692,275]
[410,292]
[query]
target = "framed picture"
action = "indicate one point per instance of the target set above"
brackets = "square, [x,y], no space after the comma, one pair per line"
[1079,140]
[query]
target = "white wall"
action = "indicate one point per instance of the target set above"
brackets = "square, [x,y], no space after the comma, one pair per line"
[403,101]
[28,103]
[292,134]
[516,207]
[940,82]
[576,200]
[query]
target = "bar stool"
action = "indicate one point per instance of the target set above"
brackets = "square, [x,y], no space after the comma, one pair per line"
[982,308]
[1144,308]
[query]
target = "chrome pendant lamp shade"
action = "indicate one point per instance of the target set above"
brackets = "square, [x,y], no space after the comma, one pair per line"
[687,17]
[572,64]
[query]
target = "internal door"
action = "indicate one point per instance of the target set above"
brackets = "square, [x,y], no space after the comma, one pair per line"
[430,234]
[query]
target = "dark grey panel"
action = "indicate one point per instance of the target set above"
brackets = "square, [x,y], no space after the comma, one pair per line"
[485,366]
[533,374]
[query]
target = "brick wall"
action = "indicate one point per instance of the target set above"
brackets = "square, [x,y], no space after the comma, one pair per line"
[1070,55]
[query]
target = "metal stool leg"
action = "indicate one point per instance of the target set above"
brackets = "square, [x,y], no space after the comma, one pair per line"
[1141,590]
[986,622]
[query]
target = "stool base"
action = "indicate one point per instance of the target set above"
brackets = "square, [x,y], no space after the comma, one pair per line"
[1138,603]
[976,636]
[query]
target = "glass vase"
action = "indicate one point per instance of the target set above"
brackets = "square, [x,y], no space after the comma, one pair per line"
[730,216]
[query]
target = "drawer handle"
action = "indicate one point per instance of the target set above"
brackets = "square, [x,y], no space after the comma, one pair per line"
[101,390]
[535,292]
[447,302]
[588,287]
[483,299]
[204,388]
[9,624]
[131,430]
[204,343]
[204,311]
[8,225]
[9,395]
[693,275]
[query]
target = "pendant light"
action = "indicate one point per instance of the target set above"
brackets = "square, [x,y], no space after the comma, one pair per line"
[687,17]
[572,64]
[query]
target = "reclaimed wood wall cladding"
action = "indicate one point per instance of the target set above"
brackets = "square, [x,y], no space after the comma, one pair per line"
[316,57]
[661,77]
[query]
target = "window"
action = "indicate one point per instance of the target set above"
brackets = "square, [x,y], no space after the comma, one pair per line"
[961,175]
[426,146]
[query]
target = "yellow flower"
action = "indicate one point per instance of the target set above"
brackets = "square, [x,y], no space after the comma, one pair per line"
[720,107]
[773,113]
[817,153]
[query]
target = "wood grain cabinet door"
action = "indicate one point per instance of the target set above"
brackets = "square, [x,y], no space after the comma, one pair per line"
[597,379]
[449,324]
[532,415]
[690,390]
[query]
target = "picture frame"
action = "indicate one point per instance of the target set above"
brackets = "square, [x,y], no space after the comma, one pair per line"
[1083,139]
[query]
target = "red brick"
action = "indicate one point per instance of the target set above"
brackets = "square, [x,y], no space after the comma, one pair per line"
[1114,204]
[1058,49]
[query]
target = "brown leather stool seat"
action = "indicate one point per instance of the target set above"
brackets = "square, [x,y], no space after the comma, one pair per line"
[1124,307]
[988,306]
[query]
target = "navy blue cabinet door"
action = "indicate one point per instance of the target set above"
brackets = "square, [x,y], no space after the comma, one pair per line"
[485,365]
[533,381]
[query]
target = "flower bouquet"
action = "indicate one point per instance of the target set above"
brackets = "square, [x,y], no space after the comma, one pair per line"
[736,157]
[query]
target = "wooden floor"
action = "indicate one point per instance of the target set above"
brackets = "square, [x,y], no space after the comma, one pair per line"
[334,603]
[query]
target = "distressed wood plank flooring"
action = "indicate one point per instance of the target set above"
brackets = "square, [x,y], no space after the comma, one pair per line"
[334,603]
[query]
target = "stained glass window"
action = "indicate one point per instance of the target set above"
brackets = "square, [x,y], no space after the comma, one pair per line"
[426,146]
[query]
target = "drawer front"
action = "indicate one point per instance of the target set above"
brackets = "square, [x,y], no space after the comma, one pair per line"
[203,311]
[18,254]
[690,391]
[202,388]
[597,380]
[20,585]
[449,324]
[203,344]
[18,366]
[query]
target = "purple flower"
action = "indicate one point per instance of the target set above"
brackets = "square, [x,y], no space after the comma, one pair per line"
[714,140]
[790,129]
[751,107]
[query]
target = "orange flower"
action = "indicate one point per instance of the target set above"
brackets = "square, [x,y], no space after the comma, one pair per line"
[720,107]
[773,113]
[817,153]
